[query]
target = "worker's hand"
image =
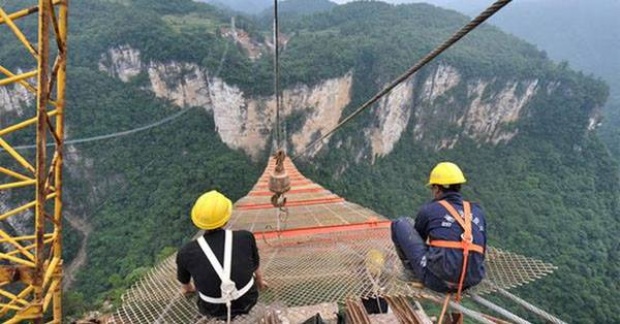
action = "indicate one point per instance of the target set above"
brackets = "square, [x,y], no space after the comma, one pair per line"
[261,284]
[188,289]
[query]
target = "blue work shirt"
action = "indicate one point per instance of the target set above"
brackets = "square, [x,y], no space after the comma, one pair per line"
[434,222]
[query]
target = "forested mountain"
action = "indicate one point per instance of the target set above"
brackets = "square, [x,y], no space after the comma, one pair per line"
[583,33]
[519,125]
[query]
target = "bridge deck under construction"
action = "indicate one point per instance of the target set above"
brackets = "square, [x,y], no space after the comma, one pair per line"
[323,252]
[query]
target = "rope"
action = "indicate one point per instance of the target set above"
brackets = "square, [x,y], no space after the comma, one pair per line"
[279,184]
[281,218]
[490,11]
[280,157]
[444,308]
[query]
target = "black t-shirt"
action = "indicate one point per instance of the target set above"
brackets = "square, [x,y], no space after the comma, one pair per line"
[193,263]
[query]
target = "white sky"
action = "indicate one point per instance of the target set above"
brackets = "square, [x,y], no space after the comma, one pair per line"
[437,2]
[466,6]
[460,5]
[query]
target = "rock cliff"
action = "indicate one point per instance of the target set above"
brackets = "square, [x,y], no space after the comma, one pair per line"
[486,110]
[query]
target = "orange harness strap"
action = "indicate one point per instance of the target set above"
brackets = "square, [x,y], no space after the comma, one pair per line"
[457,245]
[467,239]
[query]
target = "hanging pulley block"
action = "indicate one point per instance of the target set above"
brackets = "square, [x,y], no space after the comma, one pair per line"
[279,181]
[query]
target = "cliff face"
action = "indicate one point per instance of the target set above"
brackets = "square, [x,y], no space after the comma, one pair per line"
[14,98]
[485,110]
[485,115]
[19,104]
[243,122]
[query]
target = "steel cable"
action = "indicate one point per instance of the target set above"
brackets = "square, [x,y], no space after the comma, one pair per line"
[420,64]
[133,130]
[276,67]
[500,310]
[533,309]
[113,135]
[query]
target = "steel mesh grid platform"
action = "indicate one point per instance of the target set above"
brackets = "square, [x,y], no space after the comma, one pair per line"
[327,250]
[312,270]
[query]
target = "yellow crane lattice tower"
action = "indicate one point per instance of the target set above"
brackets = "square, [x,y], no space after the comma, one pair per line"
[31,181]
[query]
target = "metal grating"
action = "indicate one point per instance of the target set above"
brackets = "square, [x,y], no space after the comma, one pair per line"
[327,251]
[309,205]
[509,270]
[157,299]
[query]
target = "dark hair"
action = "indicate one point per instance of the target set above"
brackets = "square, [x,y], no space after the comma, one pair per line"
[450,188]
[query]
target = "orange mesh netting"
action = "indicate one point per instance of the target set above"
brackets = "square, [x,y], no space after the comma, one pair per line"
[327,249]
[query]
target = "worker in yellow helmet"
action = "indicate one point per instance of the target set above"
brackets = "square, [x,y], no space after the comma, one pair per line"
[223,264]
[445,246]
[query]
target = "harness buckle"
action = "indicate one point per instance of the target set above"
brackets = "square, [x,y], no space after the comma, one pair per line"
[228,289]
[468,239]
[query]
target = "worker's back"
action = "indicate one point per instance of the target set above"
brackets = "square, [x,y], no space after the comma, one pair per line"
[192,261]
[434,222]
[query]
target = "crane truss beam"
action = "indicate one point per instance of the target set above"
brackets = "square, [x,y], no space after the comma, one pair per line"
[31,184]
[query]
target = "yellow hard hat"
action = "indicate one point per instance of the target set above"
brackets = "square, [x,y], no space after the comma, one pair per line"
[445,174]
[375,261]
[212,210]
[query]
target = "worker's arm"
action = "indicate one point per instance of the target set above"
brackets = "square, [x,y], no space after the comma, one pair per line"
[258,275]
[184,277]
[188,288]
[260,282]
[421,222]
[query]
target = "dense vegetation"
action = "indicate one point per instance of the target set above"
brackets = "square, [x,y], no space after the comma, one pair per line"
[541,201]
[552,192]
[136,191]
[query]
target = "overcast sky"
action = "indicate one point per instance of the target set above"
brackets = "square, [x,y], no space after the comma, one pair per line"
[437,2]
[465,6]
[440,2]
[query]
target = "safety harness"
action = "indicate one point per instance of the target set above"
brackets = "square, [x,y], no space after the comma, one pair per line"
[467,239]
[466,244]
[228,287]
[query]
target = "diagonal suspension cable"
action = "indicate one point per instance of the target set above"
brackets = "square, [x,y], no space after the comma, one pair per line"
[490,11]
